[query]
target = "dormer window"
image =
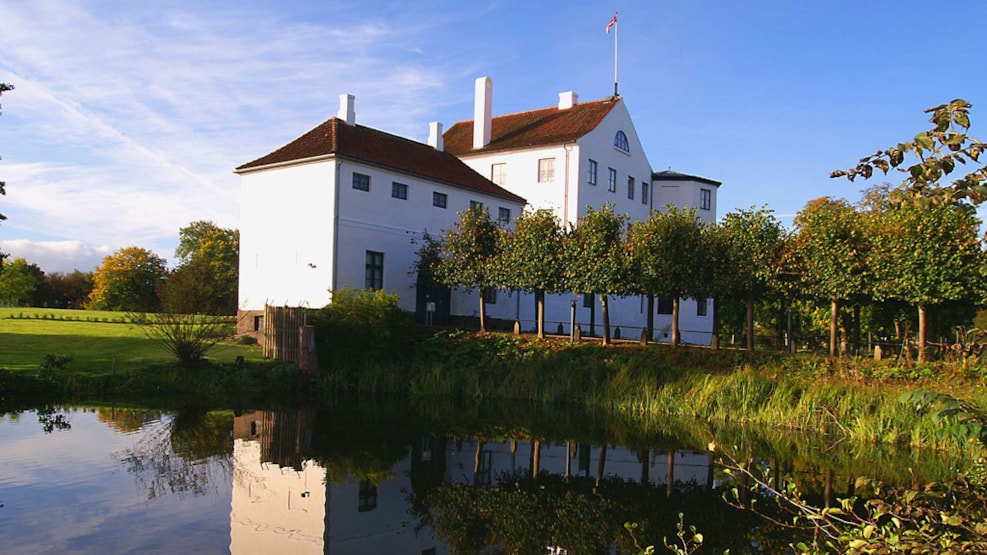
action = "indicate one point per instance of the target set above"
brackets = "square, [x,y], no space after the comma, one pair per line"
[620,141]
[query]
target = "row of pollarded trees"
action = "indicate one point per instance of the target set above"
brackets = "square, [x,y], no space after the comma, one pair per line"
[879,252]
[671,254]
[873,253]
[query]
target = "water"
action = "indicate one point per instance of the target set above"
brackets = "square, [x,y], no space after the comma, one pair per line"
[377,479]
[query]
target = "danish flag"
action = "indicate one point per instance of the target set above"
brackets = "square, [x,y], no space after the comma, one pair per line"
[612,23]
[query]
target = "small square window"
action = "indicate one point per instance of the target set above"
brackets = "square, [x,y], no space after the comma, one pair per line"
[630,187]
[504,215]
[591,178]
[361,182]
[498,173]
[476,204]
[546,170]
[399,190]
[664,305]
[439,199]
[612,180]
[705,199]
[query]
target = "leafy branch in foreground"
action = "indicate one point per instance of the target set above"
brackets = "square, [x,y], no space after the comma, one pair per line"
[938,517]
[187,336]
[937,152]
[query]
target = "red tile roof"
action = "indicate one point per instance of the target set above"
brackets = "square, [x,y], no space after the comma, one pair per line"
[335,138]
[547,126]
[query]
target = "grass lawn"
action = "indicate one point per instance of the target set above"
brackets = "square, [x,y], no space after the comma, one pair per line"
[97,342]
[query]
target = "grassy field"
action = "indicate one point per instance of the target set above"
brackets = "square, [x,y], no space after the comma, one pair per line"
[100,343]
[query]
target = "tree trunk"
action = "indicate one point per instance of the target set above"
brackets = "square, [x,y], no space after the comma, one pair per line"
[483,311]
[855,331]
[675,321]
[922,329]
[605,314]
[651,317]
[834,313]
[599,467]
[714,340]
[540,303]
[750,323]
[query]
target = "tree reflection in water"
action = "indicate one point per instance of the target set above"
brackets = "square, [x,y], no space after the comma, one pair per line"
[179,455]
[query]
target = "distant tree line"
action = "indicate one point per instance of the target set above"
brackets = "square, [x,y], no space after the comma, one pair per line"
[135,279]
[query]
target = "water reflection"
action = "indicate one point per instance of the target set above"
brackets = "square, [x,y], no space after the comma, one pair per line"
[385,478]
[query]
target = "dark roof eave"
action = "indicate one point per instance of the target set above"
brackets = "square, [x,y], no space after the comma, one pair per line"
[675,176]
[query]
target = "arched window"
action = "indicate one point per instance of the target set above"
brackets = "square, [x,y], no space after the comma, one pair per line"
[620,141]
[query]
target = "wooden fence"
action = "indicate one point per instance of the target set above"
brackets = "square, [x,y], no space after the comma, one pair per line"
[281,336]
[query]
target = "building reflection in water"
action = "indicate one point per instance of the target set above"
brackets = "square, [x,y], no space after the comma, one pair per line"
[282,501]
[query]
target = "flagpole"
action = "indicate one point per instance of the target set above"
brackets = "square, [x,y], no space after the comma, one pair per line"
[613,23]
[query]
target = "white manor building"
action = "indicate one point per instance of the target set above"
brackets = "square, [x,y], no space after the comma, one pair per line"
[343,204]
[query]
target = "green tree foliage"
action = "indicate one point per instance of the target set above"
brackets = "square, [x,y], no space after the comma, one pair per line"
[467,252]
[666,259]
[208,270]
[754,240]
[128,280]
[926,257]
[595,261]
[715,276]
[17,283]
[531,258]
[71,290]
[833,248]
[936,153]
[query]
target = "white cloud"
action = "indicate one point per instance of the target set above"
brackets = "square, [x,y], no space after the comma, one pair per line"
[127,122]
[57,256]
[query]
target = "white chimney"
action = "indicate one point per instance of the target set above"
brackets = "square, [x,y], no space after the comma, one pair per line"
[435,135]
[482,111]
[567,100]
[347,108]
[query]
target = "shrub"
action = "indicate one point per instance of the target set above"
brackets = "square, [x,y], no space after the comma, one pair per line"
[358,327]
[246,340]
[187,336]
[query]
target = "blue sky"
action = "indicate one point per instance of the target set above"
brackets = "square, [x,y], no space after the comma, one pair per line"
[128,118]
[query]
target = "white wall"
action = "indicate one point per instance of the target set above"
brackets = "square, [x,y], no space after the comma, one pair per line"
[286,225]
[287,232]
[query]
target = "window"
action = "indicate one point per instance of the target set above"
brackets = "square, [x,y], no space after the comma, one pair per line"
[705,198]
[490,295]
[620,141]
[587,300]
[498,173]
[476,204]
[368,496]
[612,180]
[374,275]
[644,193]
[439,199]
[630,187]
[591,178]
[361,182]
[504,215]
[701,307]
[664,305]
[546,170]
[399,190]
